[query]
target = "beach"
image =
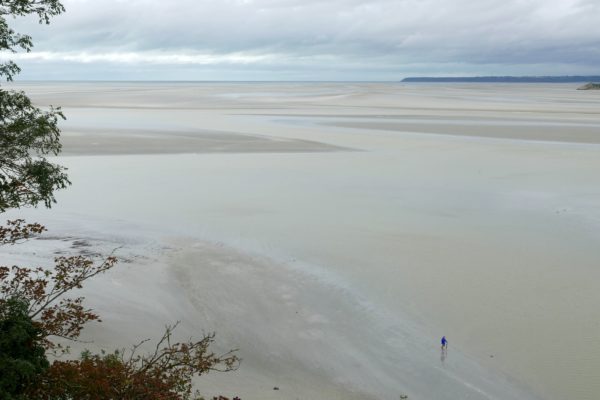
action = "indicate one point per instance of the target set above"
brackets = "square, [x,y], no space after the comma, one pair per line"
[334,232]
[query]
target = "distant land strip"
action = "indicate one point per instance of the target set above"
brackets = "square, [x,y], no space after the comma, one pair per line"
[506,79]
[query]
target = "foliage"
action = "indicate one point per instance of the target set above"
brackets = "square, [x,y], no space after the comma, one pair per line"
[27,134]
[43,8]
[44,290]
[17,230]
[22,357]
[11,40]
[165,374]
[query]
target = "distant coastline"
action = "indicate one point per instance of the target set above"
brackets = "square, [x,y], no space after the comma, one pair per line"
[506,79]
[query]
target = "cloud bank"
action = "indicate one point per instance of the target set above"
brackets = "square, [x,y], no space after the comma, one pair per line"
[313,39]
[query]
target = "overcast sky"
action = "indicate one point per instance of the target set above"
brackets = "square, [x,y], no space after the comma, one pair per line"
[312,39]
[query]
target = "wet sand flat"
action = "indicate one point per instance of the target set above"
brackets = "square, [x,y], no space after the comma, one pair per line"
[469,211]
[146,141]
[536,131]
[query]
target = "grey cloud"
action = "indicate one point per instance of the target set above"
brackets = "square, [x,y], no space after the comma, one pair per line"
[369,36]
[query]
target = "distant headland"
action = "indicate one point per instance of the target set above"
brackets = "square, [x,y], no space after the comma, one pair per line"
[590,86]
[506,79]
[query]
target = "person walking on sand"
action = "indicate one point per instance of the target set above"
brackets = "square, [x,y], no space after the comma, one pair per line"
[444,343]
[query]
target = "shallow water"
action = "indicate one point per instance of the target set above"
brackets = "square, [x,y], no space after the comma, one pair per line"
[490,241]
